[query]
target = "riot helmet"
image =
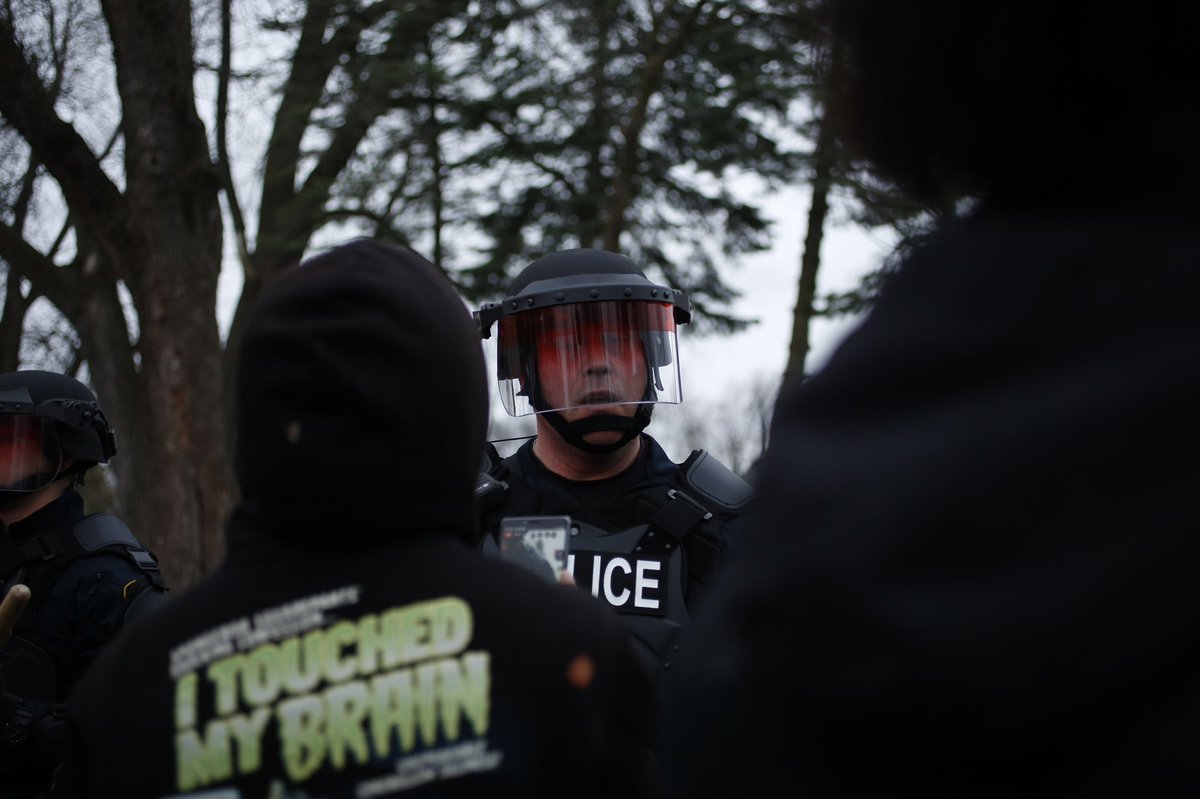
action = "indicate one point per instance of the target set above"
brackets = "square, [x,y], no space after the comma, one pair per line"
[585,329]
[44,417]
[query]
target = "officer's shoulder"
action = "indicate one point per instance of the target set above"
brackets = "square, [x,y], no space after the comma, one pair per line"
[714,483]
[103,534]
[99,530]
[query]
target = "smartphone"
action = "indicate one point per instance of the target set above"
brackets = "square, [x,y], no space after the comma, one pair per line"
[539,543]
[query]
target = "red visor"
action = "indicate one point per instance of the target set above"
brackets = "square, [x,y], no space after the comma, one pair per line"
[568,320]
[24,462]
[608,352]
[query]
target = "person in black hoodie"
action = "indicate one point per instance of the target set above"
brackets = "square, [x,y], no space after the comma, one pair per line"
[352,643]
[973,568]
[87,576]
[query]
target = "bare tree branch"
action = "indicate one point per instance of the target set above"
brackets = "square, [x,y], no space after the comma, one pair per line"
[224,72]
[631,130]
[29,108]
[313,62]
[59,284]
[373,89]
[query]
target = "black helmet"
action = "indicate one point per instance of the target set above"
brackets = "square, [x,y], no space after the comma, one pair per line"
[44,416]
[595,306]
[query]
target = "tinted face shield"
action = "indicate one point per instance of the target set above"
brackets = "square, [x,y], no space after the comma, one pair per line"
[588,354]
[30,455]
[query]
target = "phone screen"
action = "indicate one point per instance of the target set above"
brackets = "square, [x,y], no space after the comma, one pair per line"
[539,543]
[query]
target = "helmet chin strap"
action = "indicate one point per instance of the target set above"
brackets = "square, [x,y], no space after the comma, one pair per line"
[573,432]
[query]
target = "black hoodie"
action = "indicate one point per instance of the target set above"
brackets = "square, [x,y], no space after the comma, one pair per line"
[351,644]
[973,568]
[361,399]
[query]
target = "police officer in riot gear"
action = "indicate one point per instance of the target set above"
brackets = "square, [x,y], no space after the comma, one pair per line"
[87,575]
[587,343]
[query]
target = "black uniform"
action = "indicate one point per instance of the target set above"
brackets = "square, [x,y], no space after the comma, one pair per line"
[80,601]
[81,598]
[88,576]
[353,643]
[648,542]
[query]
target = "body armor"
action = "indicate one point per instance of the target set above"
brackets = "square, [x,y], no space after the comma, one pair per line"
[652,574]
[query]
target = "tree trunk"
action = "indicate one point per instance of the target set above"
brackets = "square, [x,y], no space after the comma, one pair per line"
[824,165]
[588,207]
[12,322]
[810,259]
[623,186]
[110,358]
[182,484]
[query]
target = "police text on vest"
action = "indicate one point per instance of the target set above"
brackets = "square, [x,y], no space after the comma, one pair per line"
[628,584]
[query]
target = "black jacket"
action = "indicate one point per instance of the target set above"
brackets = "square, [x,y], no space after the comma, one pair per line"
[77,607]
[973,570]
[439,666]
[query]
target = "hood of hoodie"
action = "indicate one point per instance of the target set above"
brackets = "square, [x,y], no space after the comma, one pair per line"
[361,400]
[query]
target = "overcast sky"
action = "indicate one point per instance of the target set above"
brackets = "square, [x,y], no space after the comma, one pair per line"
[768,282]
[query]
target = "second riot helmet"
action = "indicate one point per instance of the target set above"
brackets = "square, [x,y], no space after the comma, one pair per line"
[45,416]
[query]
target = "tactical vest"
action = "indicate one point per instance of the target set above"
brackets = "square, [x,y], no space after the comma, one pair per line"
[652,573]
[37,561]
[98,534]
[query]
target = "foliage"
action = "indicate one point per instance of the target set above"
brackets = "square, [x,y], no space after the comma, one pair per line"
[539,126]
[145,145]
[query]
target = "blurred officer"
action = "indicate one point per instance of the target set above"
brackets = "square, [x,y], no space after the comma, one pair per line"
[353,643]
[87,575]
[588,344]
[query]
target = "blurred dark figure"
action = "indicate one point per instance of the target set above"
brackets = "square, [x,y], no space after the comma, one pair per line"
[353,644]
[973,572]
[87,575]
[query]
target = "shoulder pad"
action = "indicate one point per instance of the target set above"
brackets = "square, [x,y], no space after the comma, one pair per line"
[713,482]
[103,529]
